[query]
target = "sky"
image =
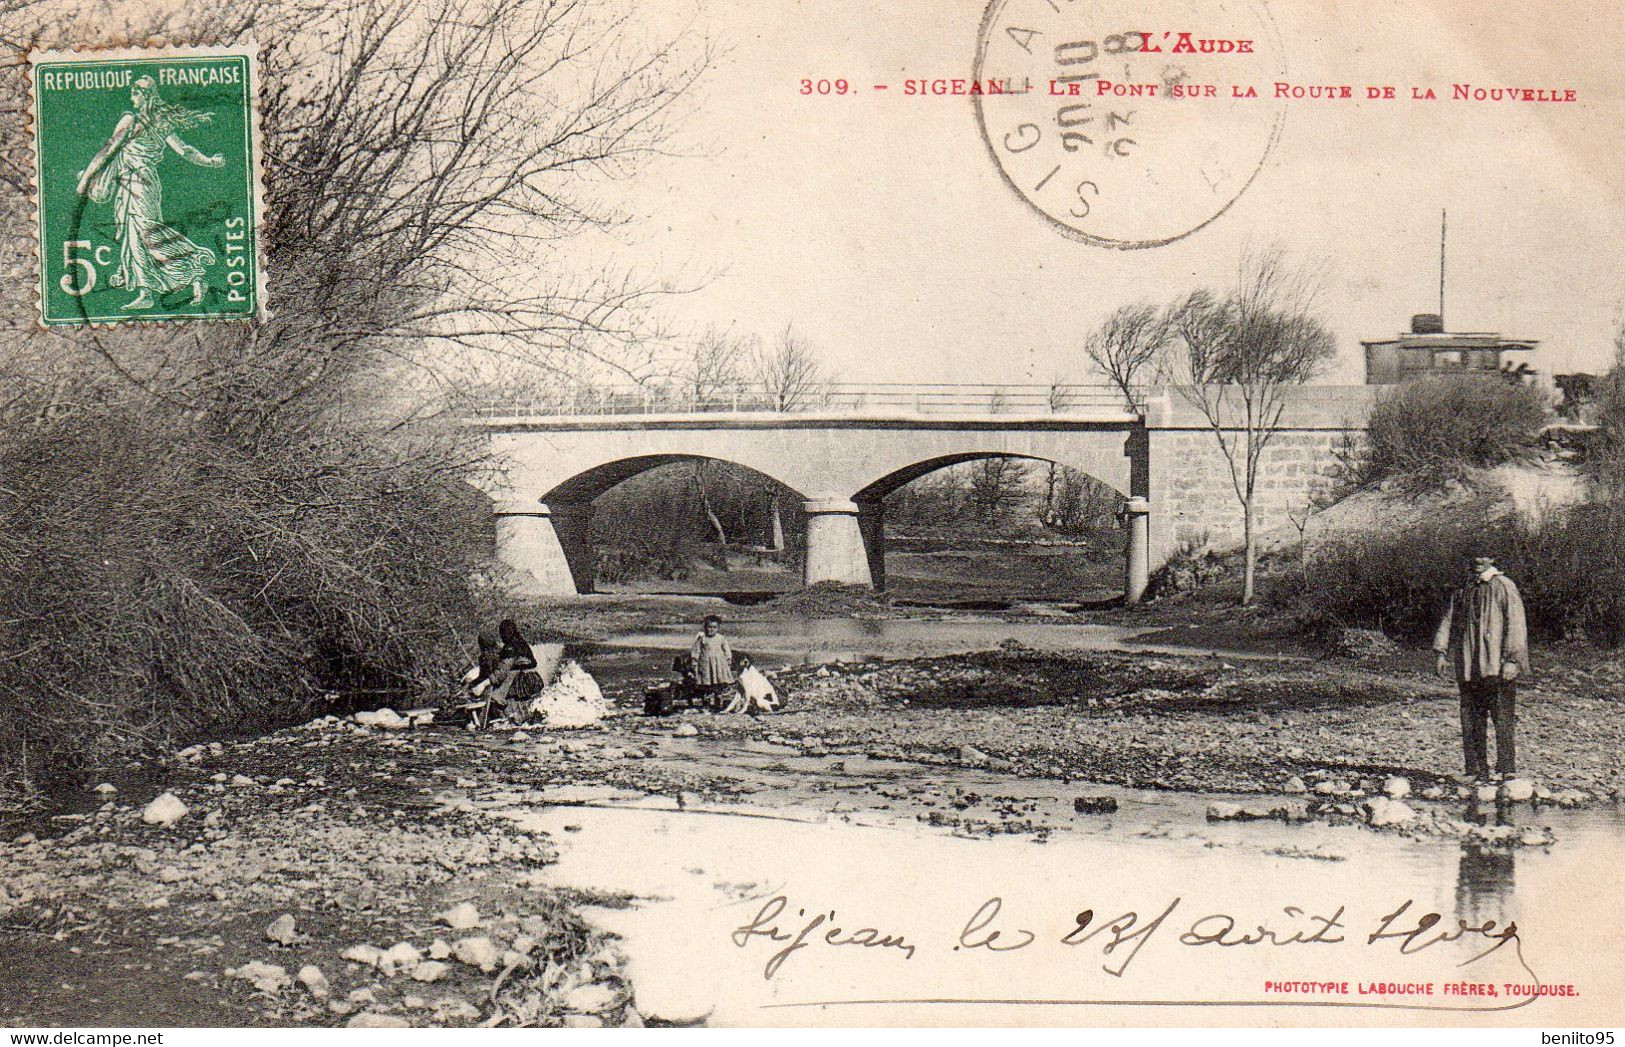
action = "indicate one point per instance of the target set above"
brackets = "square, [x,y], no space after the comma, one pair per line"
[878,224]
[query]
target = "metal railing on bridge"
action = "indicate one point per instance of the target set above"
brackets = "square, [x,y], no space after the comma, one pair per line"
[874,398]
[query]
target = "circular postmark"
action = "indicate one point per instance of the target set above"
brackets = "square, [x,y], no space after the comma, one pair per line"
[1129,124]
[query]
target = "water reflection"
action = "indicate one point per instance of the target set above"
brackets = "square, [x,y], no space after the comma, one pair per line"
[1485,882]
[1485,812]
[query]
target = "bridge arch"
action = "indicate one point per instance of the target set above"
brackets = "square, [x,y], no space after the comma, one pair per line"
[548,535]
[869,501]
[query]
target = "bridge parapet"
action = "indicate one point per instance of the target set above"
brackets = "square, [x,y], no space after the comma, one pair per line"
[840,399]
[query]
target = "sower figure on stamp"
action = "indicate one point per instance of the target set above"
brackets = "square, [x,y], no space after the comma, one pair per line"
[1484,638]
[154,258]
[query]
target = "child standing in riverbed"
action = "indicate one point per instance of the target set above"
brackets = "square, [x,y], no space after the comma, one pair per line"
[713,660]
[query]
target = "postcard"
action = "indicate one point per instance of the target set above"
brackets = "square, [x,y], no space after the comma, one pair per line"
[812,513]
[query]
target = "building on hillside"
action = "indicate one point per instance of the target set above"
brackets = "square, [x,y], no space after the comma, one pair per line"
[1429,349]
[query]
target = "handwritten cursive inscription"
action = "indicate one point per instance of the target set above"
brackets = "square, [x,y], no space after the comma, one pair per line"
[1121,938]
[765,925]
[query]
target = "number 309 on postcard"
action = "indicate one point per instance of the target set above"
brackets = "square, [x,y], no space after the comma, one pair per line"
[147,184]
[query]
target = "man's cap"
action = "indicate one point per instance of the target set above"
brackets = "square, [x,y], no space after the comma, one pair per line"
[1483,561]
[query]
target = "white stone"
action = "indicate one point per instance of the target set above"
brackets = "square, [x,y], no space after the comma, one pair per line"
[438,949]
[401,957]
[282,930]
[685,730]
[460,917]
[1294,785]
[367,955]
[589,999]
[387,719]
[107,788]
[312,978]
[370,1020]
[478,952]
[1396,788]
[268,978]
[1517,790]
[430,971]
[1381,811]
[166,809]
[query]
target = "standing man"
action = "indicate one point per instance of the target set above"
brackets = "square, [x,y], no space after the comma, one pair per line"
[1484,636]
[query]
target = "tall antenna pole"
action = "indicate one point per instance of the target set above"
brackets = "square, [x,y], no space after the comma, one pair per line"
[1443,217]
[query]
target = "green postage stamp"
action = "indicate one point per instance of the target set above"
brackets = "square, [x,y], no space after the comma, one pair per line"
[147,184]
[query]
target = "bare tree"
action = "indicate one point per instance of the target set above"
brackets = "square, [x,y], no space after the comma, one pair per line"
[715,367]
[1129,345]
[998,486]
[1243,352]
[1076,503]
[211,520]
[790,373]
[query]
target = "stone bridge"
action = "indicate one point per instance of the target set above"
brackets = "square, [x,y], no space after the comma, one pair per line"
[846,453]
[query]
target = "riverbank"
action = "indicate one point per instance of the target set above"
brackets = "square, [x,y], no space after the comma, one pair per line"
[335,847]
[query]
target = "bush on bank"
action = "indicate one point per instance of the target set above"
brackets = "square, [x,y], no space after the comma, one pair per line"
[1427,432]
[161,585]
[1569,567]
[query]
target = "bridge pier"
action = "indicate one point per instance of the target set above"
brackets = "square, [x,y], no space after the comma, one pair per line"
[835,547]
[550,543]
[872,526]
[1137,552]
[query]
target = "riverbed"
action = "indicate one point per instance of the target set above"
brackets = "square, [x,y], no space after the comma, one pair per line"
[941,858]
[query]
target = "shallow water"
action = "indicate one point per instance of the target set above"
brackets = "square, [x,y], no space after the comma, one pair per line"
[701,876]
[817,641]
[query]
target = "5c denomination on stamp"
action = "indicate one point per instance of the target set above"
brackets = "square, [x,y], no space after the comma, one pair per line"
[147,184]
[1116,132]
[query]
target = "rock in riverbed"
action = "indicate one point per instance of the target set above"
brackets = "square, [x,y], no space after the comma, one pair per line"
[478,952]
[1381,812]
[166,809]
[282,930]
[268,978]
[312,978]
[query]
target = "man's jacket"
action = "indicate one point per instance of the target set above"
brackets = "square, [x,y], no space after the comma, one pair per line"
[1483,628]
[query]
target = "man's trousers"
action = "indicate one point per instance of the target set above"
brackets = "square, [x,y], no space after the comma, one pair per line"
[1481,701]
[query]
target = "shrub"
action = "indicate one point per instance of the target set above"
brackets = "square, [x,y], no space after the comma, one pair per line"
[158,584]
[1427,432]
[1604,459]
[1569,567]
